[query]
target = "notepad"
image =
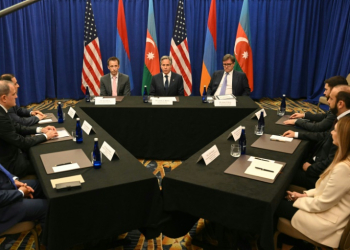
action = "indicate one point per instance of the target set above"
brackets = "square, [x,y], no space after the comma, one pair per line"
[45,121]
[264,169]
[280,138]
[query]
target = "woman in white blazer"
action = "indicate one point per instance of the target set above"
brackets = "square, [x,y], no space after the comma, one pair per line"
[322,213]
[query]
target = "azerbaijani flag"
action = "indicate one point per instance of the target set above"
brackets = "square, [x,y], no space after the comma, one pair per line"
[209,57]
[243,50]
[122,44]
[151,66]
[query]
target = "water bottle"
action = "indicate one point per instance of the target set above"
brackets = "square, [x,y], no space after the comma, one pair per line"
[243,142]
[204,96]
[145,94]
[282,109]
[60,113]
[78,132]
[96,155]
[87,95]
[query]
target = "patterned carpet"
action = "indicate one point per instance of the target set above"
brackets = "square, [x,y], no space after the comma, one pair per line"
[134,240]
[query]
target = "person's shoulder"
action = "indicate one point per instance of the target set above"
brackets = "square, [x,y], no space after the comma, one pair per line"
[123,75]
[105,76]
[239,73]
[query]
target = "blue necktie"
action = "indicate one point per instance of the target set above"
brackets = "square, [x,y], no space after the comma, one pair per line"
[7,173]
[224,85]
[166,84]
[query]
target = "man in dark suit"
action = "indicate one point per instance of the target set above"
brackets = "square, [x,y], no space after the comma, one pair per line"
[321,158]
[318,122]
[12,141]
[17,203]
[114,83]
[167,83]
[22,115]
[228,81]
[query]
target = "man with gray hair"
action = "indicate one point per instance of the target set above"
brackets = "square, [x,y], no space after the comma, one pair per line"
[13,144]
[228,81]
[166,83]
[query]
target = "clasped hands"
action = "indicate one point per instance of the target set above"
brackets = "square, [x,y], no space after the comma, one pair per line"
[27,190]
[38,114]
[50,132]
[293,196]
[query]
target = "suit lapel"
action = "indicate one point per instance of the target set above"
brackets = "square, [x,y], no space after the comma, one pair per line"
[161,84]
[109,85]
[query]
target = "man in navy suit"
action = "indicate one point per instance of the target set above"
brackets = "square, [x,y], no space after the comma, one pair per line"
[115,83]
[21,115]
[167,83]
[228,81]
[17,203]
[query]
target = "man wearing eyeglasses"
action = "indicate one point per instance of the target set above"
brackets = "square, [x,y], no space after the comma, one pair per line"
[228,81]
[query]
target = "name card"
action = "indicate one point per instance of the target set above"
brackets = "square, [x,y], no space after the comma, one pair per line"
[108,151]
[87,127]
[45,121]
[72,113]
[65,167]
[209,155]
[225,103]
[105,101]
[257,114]
[158,101]
[236,134]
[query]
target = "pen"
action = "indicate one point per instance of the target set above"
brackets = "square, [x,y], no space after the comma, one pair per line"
[63,164]
[261,159]
[263,169]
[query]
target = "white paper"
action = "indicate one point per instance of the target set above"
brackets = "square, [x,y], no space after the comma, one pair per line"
[71,112]
[280,138]
[252,158]
[262,168]
[105,101]
[225,103]
[98,97]
[107,150]
[45,121]
[167,98]
[65,167]
[237,133]
[259,112]
[210,155]
[225,97]
[86,127]
[158,101]
[79,178]
[62,133]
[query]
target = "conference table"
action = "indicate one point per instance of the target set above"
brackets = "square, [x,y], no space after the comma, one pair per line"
[123,194]
[205,191]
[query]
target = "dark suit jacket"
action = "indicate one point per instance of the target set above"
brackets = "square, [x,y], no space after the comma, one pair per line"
[318,122]
[176,85]
[123,88]
[12,140]
[239,83]
[325,150]
[14,208]
[22,116]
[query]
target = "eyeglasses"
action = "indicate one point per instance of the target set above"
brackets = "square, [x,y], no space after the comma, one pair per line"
[227,64]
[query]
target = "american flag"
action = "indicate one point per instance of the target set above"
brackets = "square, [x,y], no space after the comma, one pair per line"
[179,49]
[92,62]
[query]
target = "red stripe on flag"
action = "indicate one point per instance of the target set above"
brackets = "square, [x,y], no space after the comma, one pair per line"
[121,26]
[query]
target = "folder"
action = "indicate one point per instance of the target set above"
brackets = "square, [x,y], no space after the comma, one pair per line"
[78,156]
[264,142]
[240,166]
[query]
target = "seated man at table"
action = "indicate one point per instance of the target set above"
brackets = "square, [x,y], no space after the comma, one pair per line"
[22,115]
[12,141]
[166,83]
[114,83]
[319,160]
[318,122]
[228,81]
[17,203]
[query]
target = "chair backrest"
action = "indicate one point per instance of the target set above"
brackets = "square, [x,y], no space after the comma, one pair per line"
[348,78]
